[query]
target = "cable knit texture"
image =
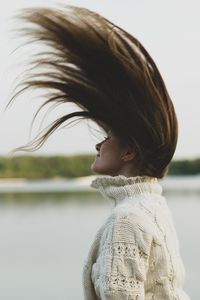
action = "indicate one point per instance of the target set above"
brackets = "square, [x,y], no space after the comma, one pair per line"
[135,254]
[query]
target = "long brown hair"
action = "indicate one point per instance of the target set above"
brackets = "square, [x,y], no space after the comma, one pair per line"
[108,74]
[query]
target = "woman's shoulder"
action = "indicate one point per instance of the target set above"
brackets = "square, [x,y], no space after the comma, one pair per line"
[134,222]
[126,231]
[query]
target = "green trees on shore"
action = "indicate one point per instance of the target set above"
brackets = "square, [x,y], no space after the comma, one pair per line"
[184,167]
[38,167]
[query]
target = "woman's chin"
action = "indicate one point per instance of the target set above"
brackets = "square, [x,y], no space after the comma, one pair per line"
[95,168]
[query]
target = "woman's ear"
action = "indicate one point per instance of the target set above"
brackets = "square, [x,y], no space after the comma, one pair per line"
[128,155]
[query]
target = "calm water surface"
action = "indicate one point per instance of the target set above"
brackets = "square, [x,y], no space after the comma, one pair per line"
[44,239]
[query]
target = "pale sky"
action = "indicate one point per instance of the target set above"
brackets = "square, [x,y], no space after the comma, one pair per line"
[169,30]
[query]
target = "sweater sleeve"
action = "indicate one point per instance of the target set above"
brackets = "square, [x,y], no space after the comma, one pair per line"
[123,261]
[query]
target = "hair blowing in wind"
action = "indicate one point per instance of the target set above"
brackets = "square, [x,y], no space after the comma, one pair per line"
[107,74]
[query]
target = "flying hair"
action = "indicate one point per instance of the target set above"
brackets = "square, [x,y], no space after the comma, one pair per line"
[107,74]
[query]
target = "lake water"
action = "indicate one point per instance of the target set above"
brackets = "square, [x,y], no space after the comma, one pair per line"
[45,237]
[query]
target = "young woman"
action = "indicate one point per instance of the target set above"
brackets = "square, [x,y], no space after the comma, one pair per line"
[109,75]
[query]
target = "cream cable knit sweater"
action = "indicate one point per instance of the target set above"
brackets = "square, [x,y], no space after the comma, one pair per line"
[135,254]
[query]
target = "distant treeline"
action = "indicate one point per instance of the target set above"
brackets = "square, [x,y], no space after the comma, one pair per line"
[38,167]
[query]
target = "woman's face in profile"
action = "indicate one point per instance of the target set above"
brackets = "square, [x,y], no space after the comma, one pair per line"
[108,160]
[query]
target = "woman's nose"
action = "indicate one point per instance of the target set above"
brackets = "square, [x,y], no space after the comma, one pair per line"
[97,146]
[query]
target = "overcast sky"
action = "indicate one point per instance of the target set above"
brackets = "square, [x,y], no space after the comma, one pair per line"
[169,30]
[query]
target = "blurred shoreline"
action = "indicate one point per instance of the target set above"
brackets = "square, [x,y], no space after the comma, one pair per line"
[57,184]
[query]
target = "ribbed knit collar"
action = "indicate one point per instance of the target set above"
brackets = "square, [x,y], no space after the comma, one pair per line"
[120,187]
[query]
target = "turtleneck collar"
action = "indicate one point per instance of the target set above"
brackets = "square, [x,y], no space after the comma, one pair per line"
[117,188]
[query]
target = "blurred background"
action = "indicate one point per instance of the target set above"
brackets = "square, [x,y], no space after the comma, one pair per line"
[49,215]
